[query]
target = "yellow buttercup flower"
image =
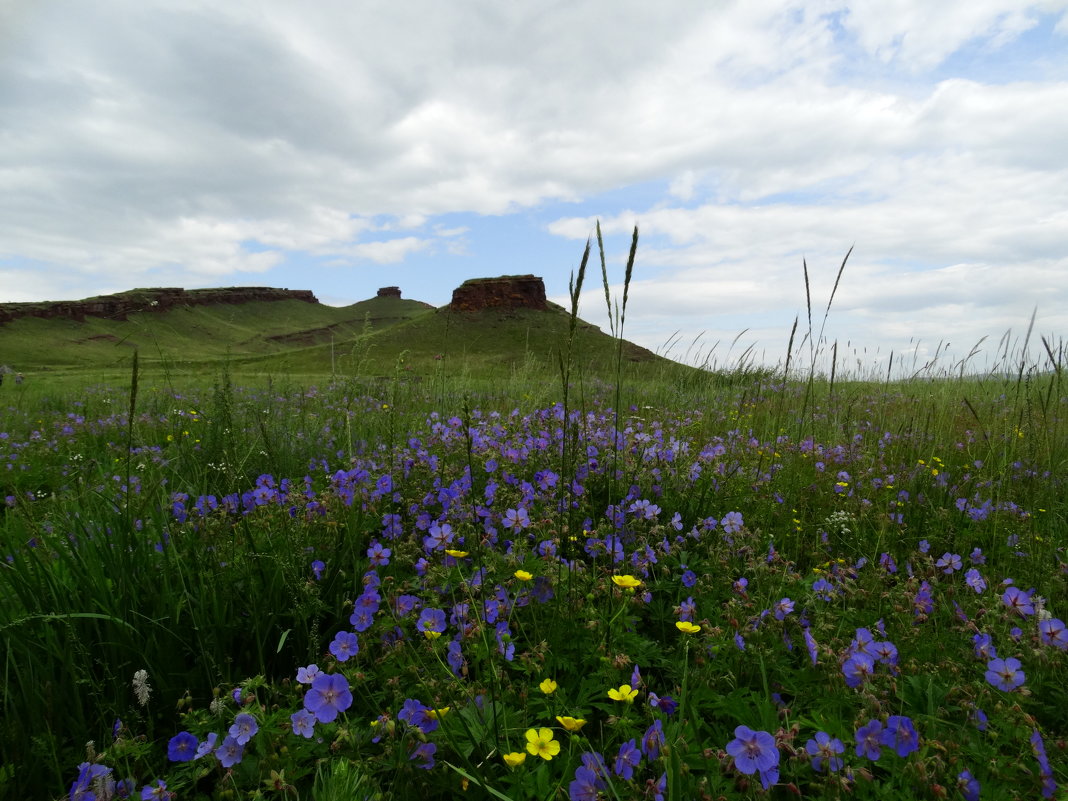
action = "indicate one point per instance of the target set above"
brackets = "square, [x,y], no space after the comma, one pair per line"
[432,635]
[547,686]
[455,554]
[523,575]
[540,742]
[624,693]
[686,627]
[626,582]
[438,714]
[571,724]
[514,759]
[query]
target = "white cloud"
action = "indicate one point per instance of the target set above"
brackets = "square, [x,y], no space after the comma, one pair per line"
[388,251]
[917,35]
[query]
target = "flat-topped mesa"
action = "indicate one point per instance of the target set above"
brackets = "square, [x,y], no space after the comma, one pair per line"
[504,292]
[119,307]
[389,292]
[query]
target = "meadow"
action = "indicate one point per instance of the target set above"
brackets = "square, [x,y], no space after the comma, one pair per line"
[535,585]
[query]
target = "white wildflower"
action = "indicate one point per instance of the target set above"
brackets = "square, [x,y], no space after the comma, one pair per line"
[141,688]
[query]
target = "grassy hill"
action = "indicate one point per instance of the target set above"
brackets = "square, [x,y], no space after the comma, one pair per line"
[376,337]
[193,334]
[486,342]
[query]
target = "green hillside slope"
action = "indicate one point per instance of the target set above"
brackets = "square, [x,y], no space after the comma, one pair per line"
[481,342]
[193,334]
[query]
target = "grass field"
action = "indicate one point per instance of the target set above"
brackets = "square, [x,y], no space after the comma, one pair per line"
[576,575]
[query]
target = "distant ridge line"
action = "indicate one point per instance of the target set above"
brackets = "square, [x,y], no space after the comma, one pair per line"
[120,306]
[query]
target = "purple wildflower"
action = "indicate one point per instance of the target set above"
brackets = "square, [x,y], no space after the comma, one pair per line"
[329,695]
[784,607]
[949,563]
[824,589]
[454,656]
[182,747]
[984,647]
[900,735]
[628,758]
[345,646]
[1018,601]
[425,753]
[823,748]
[244,728]
[863,643]
[148,792]
[1005,674]
[974,579]
[230,752]
[303,723]
[810,644]
[417,715]
[968,786]
[732,522]
[653,740]
[207,746]
[516,519]
[923,602]
[88,773]
[857,668]
[1053,632]
[869,743]
[431,621]
[585,786]
[378,555]
[885,652]
[687,610]
[665,704]
[753,751]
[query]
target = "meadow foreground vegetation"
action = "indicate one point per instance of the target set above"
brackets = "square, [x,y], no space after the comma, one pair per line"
[303,592]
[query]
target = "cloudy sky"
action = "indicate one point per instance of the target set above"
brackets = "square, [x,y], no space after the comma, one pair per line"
[343,146]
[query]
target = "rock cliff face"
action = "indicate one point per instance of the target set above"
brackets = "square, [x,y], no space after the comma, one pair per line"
[505,292]
[119,307]
[389,292]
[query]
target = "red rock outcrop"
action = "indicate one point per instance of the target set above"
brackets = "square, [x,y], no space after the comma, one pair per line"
[505,292]
[119,307]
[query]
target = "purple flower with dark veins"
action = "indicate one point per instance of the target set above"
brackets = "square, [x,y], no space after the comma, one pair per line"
[753,751]
[329,695]
[1005,674]
[825,749]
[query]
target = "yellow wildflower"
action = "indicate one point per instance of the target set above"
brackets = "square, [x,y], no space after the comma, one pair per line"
[626,582]
[514,759]
[571,724]
[624,693]
[540,742]
[547,686]
[686,627]
[455,554]
[523,575]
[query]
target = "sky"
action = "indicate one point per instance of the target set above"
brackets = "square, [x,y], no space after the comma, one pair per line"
[343,146]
